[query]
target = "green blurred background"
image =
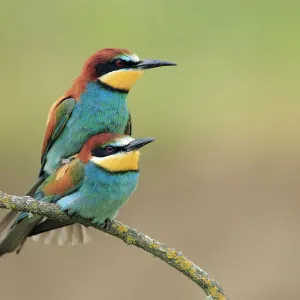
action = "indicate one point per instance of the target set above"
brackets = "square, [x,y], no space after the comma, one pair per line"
[220,184]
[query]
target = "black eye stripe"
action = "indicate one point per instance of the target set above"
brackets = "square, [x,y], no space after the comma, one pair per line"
[102,152]
[102,69]
[98,152]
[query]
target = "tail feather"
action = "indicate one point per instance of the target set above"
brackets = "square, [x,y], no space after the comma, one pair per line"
[61,233]
[48,238]
[86,234]
[49,225]
[52,231]
[13,237]
[8,221]
[77,235]
[74,234]
[18,234]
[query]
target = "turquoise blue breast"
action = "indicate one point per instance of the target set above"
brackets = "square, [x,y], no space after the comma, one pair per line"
[98,110]
[102,193]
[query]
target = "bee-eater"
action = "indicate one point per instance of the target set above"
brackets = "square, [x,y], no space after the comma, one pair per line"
[95,103]
[94,184]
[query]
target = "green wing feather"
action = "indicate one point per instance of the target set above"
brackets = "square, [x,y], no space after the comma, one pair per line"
[76,174]
[66,180]
[58,120]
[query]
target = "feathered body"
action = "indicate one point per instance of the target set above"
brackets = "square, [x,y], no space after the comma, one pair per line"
[93,184]
[96,103]
[101,194]
[89,107]
[99,109]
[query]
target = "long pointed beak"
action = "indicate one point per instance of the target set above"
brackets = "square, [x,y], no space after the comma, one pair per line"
[138,143]
[144,64]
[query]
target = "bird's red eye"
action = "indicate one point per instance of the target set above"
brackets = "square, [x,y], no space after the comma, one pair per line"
[119,63]
[109,149]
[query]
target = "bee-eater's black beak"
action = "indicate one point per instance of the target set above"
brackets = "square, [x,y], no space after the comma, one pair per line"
[137,144]
[144,64]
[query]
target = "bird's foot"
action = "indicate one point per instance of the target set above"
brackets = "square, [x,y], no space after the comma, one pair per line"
[70,212]
[106,223]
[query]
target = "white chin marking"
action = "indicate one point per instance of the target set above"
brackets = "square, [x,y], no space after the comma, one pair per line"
[70,235]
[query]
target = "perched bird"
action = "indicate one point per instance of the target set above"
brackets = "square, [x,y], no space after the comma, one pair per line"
[95,103]
[94,184]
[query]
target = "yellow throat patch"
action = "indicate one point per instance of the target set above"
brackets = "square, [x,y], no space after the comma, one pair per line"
[121,79]
[123,161]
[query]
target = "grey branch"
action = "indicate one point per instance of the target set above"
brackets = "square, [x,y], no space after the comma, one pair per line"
[129,235]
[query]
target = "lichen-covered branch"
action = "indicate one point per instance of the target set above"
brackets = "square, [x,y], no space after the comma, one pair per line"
[129,235]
